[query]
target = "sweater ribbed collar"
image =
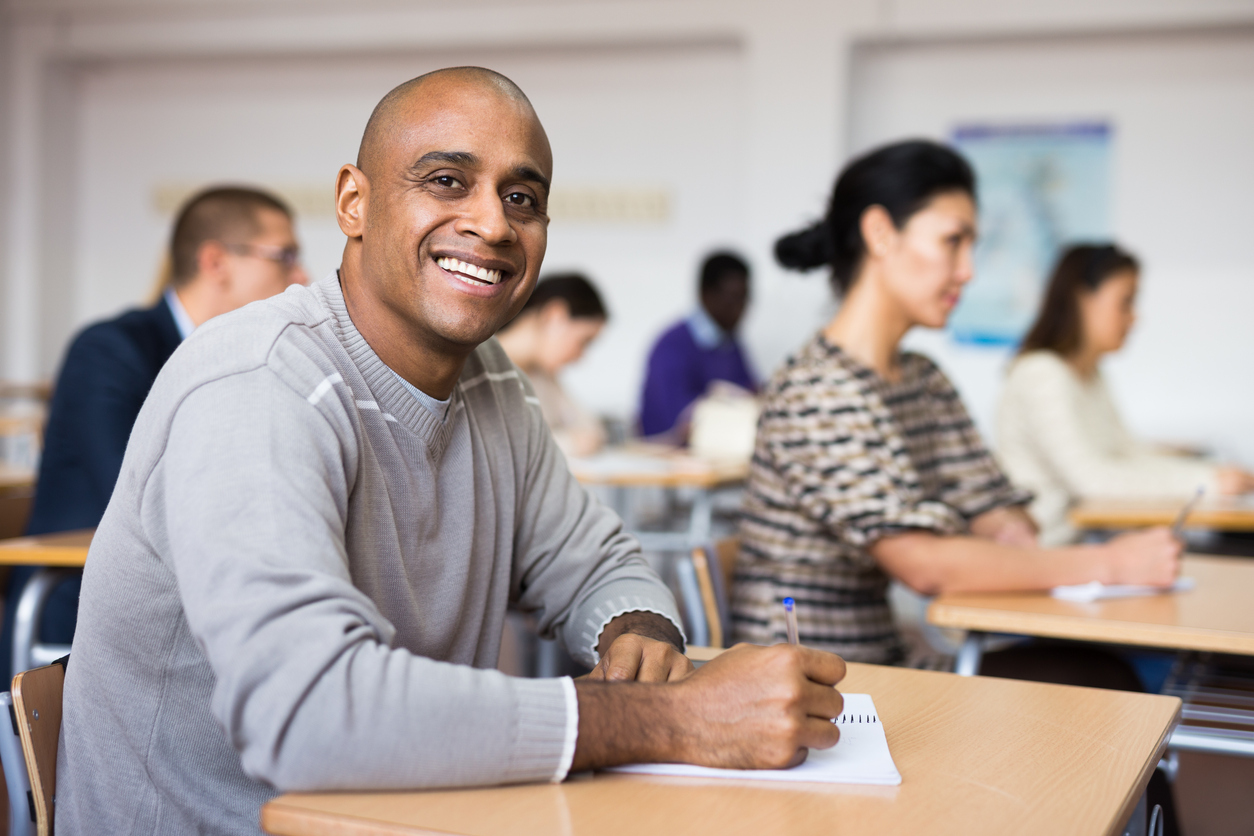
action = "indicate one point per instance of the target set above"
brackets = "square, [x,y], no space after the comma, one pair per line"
[386,387]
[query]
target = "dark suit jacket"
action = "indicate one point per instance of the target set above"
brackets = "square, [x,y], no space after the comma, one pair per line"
[106,375]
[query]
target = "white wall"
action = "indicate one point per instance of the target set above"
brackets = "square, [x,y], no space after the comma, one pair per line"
[1182,107]
[741,110]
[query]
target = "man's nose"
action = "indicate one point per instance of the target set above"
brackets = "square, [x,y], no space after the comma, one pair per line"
[485,218]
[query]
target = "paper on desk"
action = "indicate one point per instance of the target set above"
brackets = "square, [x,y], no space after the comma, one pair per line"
[861,756]
[1098,591]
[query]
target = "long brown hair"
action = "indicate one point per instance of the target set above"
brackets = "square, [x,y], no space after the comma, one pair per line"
[1081,268]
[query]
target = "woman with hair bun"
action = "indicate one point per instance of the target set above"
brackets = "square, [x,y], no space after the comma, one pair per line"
[867,466]
[1059,433]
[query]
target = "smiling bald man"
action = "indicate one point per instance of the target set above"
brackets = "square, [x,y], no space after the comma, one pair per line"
[327,504]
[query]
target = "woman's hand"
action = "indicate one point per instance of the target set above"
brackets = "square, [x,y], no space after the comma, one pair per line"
[1233,481]
[1150,557]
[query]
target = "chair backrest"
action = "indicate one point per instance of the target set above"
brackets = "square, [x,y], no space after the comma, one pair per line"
[37,705]
[714,569]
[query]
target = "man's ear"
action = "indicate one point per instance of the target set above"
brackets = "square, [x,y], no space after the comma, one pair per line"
[352,190]
[878,230]
[211,263]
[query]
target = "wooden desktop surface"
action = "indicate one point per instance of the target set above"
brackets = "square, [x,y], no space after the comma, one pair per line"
[66,549]
[641,464]
[1216,615]
[16,477]
[1220,513]
[976,755]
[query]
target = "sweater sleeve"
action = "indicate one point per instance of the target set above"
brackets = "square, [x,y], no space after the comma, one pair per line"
[575,566]
[248,505]
[1047,401]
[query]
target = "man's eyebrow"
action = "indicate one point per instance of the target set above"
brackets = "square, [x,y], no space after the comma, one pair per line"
[526,172]
[459,158]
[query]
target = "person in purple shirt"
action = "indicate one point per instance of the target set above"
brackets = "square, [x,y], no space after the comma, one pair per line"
[698,350]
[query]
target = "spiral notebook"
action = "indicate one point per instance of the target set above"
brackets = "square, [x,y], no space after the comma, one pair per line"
[861,756]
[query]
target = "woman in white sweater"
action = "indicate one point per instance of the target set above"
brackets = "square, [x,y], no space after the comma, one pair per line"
[1058,430]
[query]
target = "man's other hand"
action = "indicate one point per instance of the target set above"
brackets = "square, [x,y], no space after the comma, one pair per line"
[750,708]
[643,659]
[641,647]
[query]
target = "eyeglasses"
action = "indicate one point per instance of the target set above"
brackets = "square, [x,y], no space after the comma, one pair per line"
[288,257]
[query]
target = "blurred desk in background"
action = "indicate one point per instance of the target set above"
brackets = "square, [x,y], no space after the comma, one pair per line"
[1213,621]
[17,491]
[16,477]
[1218,514]
[641,465]
[630,470]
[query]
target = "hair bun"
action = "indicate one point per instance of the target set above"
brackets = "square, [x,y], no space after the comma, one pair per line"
[811,247]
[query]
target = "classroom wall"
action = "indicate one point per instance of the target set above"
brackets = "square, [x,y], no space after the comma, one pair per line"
[736,114]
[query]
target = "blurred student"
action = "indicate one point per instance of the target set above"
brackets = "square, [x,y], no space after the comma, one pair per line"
[230,246]
[701,349]
[557,324]
[1059,433]
[867,466]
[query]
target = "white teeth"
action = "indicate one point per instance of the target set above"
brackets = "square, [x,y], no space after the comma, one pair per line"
[462,268]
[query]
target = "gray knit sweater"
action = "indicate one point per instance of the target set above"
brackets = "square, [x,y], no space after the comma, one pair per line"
[301,580]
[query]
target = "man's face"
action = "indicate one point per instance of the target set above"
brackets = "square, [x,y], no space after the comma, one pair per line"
[455,222]
[727,300]
[257,269]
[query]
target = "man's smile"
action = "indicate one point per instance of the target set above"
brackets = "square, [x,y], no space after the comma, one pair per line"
[469,273]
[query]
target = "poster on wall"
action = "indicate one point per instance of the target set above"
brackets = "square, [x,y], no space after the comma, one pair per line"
[1040,187]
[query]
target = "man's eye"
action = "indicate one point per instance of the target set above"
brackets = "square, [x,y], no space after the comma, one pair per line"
[521,199]
[445,180]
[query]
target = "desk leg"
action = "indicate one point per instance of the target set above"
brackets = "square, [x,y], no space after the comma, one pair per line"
[30,607]
[970,654]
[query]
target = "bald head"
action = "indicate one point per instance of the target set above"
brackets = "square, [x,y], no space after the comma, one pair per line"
[389,114]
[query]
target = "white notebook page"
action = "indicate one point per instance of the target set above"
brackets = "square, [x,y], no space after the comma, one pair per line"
[861,756]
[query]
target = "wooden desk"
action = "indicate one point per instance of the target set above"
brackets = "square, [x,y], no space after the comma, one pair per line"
[1218,615]
[1219,514]
[643,465]
[68,549]
[976,756]
[1215,617]
[16,477]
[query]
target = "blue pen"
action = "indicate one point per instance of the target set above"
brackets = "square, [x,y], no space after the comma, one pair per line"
[790,618]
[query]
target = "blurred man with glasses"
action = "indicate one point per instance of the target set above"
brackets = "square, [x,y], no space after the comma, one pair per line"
[230,246]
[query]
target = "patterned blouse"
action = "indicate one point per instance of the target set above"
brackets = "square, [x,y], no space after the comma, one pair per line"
[843,458]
